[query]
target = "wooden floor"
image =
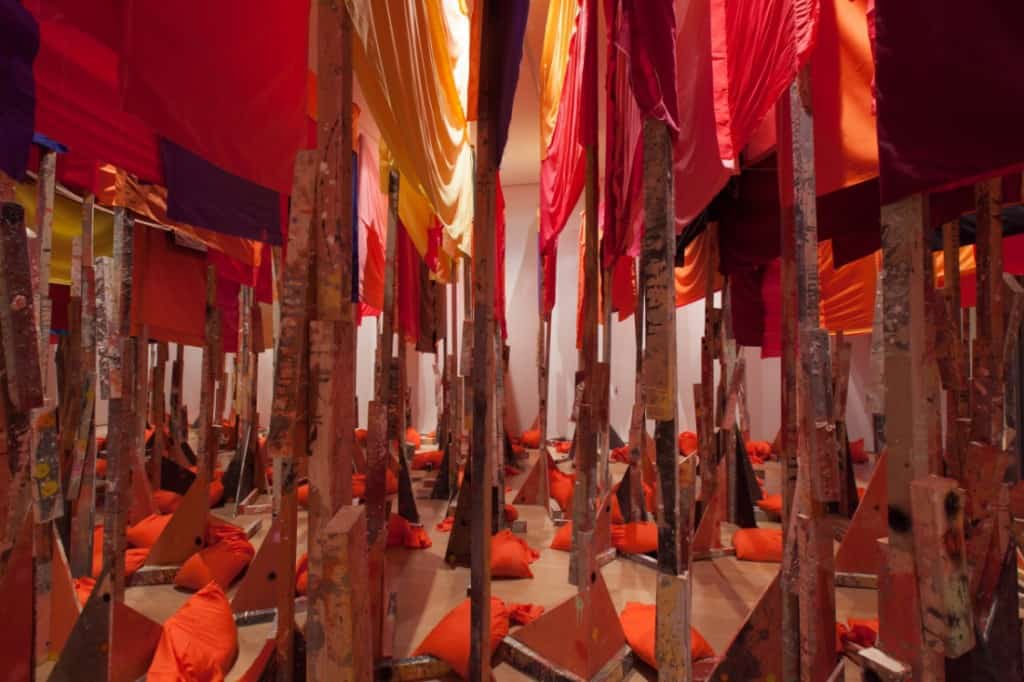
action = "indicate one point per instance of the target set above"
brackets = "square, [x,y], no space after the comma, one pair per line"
[724,589]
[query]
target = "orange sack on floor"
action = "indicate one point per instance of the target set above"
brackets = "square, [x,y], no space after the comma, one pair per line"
[563,538]
[146,532]
[412,437]
[166,501]
[758,544]
[511,556]
[361,436]
[771,504]
[563,446]
[620,454]
[561,487]
[199,642]
[531,439]
[511,513]
[687,443]
[428,459]
[449,640]
[302,495]
[638,625]
[637,537]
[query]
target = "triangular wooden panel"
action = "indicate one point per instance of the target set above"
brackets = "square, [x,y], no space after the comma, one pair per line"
[622,495]
[16,592]
[603,526]
[142,493]
[559,637]
[755,653]
[614,439]
[175,477]
[859,551]
[708,535]
[534,490]
[406,500]
[747,490]
[64,606]
[258,588]
[442,489]
[84,656]
[185,533]
[460,539]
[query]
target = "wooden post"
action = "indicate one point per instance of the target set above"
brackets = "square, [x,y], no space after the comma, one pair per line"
[987,378]
[672,643]
[44,233]
[906,431]
[484,433]
[208,445]
[158,414]
[287,387]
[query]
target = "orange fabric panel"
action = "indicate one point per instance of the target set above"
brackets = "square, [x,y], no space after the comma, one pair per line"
[847,294]
[169,288]
[691,279]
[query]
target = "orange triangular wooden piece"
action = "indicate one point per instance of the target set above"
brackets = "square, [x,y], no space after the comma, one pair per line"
[185,533]
[755,652]
[142,493]
[709,531]
[16,593]
[64,606]
[258,589]
[859,551]
[534,490]
[564,640]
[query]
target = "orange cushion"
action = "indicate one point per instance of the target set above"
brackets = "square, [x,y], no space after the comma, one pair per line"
[401,533]
[620,454]
[302,574]
[428,459]
[687,443]
[359,485]
[199,642]
[561,487]
[146,532]
[518,449]
[857,453]
[638,537]
[531,439]
[220,563]
[412,436]
[638,623]
[563,446]
[101,467]
[133,558]
[511,556]
[302,494]
[361,436]
[758,544]
[563,538]
[511,513]
[216,490]
[449,640]
[771,504]
[166,501]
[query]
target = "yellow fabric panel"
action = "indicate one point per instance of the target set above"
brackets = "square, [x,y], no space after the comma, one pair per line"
[558,30]
[404,71]
[67,224]
[415,212]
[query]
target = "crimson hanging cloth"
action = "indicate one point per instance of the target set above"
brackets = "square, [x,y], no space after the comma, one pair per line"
[407,273]
[651,30]
[949,91]
[19,43]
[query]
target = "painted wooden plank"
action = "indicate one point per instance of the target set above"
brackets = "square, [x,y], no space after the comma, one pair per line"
[941,563]
[755,652]
[208,445]
[987,387]
[45,185]
[17,315]
[46,473]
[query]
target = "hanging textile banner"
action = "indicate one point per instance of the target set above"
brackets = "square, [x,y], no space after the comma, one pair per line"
[19,35]
[169,288]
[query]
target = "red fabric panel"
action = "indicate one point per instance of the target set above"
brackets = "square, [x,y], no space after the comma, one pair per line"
[78,104]
[563,168]
[698,169]
[407,270]
[227,306]
[757,47]
[549,261]
[624,287]
[950,95]
[1013,262]
[499,263]
[226,80]
[60,298]
[651,29]
[169,288]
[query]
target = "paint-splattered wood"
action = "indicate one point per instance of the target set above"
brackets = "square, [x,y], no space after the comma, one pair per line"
[337,630]
[46,467]
[859,551]
[17,315]
[44,234]
[185,533]
[377,461]
[987,386]
[817,597]
[941,563]
[207,450]
[755,652]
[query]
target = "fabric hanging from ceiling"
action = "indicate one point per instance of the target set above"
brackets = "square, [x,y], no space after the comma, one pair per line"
[235,96]
[168,288]
[699,173]
[407,275]
[692,278]
[67,224]
[228,309]
[373,217]
[559,29]
[401,59]
[651,32]
[200,193]
[757,48]
[563,167]
[19,43]
[950,95]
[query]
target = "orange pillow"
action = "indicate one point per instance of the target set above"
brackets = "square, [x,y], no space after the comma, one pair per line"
[412,437]
[302,574]
[687,443]
[401,533]
[638,624]
[563,538]
[302,494]
[449,640]
[199,642]
[517,449]
[220,563]
[146,532]
[771,504]
[620,454]
[531,439]
[428,459]
[563,446]
[511,556]
[637,537]
[133,558]
[166,501]
[857,453]
[561,487]
[361,436]
[101,467]
[758,544]
[511,513]
[216,489]
[359,485]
